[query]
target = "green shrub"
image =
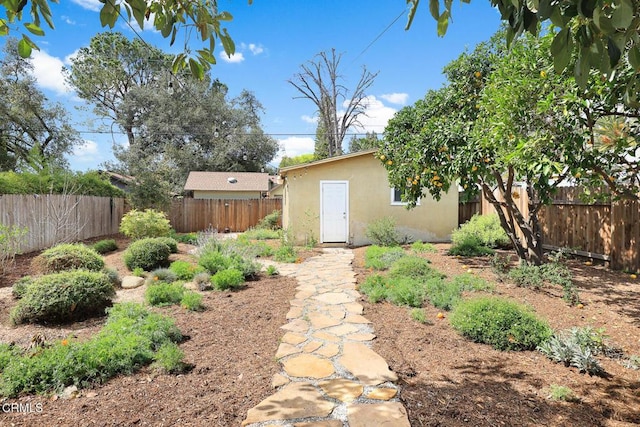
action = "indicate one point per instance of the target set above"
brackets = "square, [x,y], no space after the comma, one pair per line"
[246,265]
[563,393]
[192,301]
[269,222]
[381,258]
[469,246]
[184,270]
[91,183]
[172,243]
[471,282]
[535,276]
[383,232]
[486,228]
[412,266]
[214,261]
[139,272]
[161,275]
[7,353]
[127,342]
[501,323]
[398,291]
[11,239]
[500,264]
[441,294]
[187,238]
[374,287]
[227,279]
[63,297]
[261,249]
[420,247]
[146,254]
[261,234]
[68,256]
[419,315]
[19,288]
[105,246]
[202,281]
[271,270]
[527,276]
[163,293]
[168,359]
[113,276]
[142,224]
[285,253]
[406,291]
[576,347]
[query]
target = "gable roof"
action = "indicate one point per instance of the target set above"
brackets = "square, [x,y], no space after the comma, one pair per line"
[370,151]
[224,181]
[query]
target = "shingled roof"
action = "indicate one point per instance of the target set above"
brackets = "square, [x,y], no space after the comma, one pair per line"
[227,181]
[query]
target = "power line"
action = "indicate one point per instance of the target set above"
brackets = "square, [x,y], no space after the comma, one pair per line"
[380,35]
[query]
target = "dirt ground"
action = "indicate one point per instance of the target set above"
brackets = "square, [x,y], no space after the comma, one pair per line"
[449,381]
[445,379]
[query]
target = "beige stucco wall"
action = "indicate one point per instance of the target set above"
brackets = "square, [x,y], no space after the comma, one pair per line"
[197,194]
[369,199]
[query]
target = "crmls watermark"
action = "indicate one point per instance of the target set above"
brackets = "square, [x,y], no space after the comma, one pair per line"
[22,408]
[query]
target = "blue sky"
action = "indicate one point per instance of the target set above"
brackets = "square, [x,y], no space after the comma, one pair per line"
[273,38]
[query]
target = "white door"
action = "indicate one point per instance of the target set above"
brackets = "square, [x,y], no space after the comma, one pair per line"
[334,211]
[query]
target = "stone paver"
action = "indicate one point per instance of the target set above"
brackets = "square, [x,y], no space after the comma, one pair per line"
[295,400]
[308,366]
[327,362]
[387,414]
[367,365]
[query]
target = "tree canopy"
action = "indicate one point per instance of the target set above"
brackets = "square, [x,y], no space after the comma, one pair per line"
[593,35]
[174,123]
[507,118]
[34,133]
[193,17]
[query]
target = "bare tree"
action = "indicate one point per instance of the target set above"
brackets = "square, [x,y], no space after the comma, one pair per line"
[318,81]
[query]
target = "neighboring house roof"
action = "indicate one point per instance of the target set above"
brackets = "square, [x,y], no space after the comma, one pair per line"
[227,181]
[368,152]
[125,179]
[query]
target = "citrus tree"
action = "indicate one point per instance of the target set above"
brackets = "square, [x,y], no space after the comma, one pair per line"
[592,35]
[499,121]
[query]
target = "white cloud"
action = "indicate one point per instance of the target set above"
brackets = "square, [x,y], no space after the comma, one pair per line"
[309,119]
[47,71]
[94,5]
[233,59]
[70,57]
[396,98]
[294,146]
[377,116]
[87,151]
[68,20]
[256,49]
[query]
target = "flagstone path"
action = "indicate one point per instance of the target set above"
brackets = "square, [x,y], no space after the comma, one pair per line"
[330,375]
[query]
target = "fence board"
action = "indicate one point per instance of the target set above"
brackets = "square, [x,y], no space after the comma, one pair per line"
[610,230]
[189,215]
[54,218]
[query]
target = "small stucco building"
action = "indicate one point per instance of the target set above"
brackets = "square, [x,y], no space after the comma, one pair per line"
[227,185]
[333,200]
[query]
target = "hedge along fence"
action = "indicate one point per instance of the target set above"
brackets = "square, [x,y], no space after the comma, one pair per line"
[603,230]
[188,215]
[56,218]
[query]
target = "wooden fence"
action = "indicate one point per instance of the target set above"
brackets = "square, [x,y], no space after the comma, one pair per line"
[603,230]
[468,209]
[187,215]
[54,218]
